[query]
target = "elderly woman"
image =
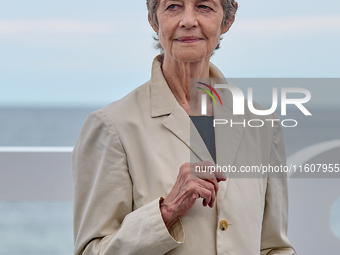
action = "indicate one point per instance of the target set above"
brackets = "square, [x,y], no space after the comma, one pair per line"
[133,191]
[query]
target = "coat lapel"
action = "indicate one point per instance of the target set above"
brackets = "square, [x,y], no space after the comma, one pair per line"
[163,103]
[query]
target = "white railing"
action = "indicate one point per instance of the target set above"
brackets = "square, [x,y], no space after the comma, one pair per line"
[36,173]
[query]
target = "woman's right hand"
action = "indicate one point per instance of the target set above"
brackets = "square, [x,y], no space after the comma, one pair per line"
[190,185]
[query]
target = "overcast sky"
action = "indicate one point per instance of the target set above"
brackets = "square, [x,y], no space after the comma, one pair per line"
[88,53]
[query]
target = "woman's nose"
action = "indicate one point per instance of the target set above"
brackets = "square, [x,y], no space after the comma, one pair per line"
[189,18]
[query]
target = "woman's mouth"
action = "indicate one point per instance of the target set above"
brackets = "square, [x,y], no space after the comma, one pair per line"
[188,39]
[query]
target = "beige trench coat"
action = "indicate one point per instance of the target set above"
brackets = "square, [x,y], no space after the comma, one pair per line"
[128,155]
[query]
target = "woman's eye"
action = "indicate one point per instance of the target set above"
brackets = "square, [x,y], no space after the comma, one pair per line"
[204,7]
[172,7]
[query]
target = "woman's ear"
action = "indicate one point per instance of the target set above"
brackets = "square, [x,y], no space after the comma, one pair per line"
[229,21]
[153,25]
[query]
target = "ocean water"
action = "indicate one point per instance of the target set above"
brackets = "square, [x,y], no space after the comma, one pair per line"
[45,228]
[41,127]
[36,228]
[60,127]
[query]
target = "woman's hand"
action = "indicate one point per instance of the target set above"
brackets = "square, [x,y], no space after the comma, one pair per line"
[190,185]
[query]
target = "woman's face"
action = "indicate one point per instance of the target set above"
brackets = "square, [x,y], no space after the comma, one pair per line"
[189,30]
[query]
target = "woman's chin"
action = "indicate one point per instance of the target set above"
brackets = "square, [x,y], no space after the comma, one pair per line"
[190,58]
[189,55]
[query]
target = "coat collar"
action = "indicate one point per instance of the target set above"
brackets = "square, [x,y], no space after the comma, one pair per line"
[163,101]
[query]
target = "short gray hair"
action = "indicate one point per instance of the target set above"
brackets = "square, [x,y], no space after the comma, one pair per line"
[229,10]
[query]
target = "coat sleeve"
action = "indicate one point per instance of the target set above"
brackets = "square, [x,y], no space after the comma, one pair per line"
[104,220]
[274,238]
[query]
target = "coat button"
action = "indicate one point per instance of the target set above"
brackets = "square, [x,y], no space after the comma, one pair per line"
[223,225]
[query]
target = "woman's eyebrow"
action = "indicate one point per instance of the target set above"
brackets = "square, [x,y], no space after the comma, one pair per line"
[165,1]
[197,1]
[210,1]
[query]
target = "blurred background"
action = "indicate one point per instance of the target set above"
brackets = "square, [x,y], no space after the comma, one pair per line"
[60,60]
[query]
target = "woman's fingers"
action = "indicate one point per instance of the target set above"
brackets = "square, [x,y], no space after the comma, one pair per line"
[206,175]
[210,188]
[208,178]
[205,194]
